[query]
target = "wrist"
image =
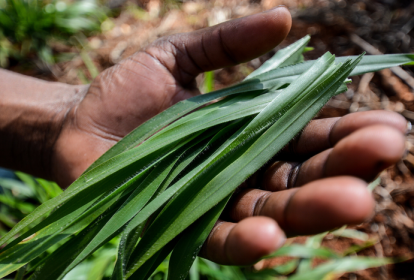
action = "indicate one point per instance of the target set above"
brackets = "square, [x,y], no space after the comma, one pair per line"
[32,113]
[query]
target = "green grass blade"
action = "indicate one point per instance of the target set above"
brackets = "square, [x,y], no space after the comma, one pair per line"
[51,188]
[374,184]
[145,271]
[100,264]
[306,83]
[349,264]
[351,233]
[283,57]
[18,188]
[357,248]
[27,179]
[20,273]
[211,107]
[314,242]
[270,273]
[191,241]
[194,274]
[370,63]
[7,220]
[128,240]
[302,251]
[212,271]
[208,81]
[56,263]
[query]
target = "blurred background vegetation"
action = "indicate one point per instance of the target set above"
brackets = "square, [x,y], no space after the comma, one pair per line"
[72,41]
[29,28]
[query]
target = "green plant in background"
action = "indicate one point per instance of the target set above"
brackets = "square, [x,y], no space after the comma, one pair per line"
[334,265]
[6,50]
[168,5]
[31,25]
[20,196]
[83,48]
[208,82]
[180,177]
[100,265]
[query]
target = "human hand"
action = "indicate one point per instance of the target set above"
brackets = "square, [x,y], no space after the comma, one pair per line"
[317,183]
[148,82]
[333,153]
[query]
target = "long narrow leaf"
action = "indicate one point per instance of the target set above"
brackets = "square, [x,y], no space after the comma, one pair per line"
[283,57]
[301,251]
[279,77]
[59,259]
[343,265]
[145,271]
[191,241]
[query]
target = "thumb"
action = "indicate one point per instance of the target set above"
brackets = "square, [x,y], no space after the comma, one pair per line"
[188,54]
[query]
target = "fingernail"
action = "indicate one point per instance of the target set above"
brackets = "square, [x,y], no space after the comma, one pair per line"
[409,127]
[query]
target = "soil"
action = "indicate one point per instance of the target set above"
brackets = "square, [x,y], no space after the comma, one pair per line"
[335,26]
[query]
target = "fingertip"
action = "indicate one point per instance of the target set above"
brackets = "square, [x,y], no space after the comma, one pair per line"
[222,45]
[281,15]
[397,121]
[388,135]
[264,32]
[352,122]
[329,203]
[253,238]
[363,208]
[366,152]
[356,203]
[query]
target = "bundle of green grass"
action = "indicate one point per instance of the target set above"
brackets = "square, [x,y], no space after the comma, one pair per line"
[175,173]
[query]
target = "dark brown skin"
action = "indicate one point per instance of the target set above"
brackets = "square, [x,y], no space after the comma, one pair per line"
[56,131]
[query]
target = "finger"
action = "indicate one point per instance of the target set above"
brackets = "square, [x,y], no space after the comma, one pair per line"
[226,44]
[243,243]
[316,207]
[323,134]
[363,154]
